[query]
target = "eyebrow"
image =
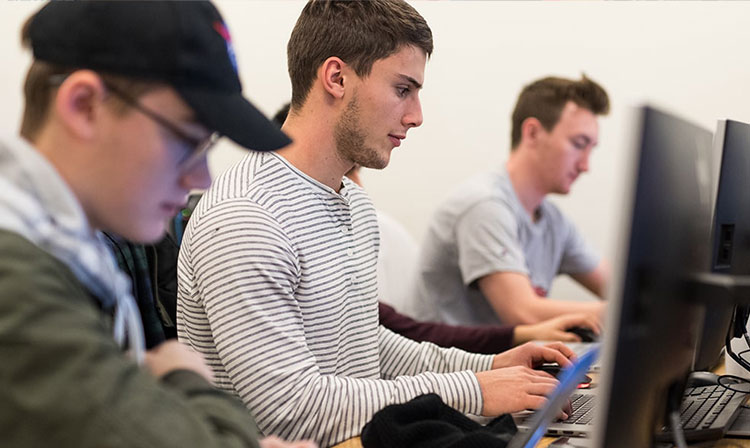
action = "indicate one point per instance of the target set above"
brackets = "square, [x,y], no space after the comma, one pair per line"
[411,80]
[587,140]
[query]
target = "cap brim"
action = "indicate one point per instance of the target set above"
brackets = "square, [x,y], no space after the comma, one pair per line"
[235,117]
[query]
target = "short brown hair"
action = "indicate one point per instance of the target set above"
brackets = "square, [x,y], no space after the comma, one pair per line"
[545,99]
[358,32]
[38,89]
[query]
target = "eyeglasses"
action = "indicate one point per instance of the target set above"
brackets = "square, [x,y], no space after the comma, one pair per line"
[198,146]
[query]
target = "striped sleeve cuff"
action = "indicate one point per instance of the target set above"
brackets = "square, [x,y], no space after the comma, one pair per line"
[459,390]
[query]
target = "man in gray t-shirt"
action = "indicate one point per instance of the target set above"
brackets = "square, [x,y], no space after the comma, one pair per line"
[494,247]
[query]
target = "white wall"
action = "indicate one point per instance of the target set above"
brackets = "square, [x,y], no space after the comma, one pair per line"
[690,58]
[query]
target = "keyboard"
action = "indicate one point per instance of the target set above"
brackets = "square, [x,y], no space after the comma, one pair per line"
[706,412]
[579,348]
[583,409]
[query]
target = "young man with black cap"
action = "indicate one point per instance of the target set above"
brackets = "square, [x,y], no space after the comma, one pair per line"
[277,271]
[123,99]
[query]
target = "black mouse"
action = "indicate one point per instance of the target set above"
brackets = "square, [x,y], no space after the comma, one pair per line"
[554,369]
[586,334]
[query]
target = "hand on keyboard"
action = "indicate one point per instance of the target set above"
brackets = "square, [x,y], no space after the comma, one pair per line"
[514,389]
[533,355]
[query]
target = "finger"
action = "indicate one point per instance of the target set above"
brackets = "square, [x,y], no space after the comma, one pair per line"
[540,376]
[567,336]
[589,321]
[304,444]
[567,407]
[540,389]
[270,442]
[574,320]
[594,323]
[533,402]
[558,352]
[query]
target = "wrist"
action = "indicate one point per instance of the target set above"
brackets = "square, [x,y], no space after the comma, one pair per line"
[522,334]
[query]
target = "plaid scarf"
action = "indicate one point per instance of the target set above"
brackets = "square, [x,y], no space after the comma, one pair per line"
[36,203]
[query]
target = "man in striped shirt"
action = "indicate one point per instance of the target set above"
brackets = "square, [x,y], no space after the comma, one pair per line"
[277,272]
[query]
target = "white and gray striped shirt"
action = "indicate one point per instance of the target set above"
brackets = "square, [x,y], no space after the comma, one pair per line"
[278,290]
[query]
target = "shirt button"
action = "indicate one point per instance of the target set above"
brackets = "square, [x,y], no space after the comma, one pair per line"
[344,230]
[350,252]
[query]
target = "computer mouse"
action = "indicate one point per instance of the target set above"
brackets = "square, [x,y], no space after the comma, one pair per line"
[586,334]
[699,378]
[554,369]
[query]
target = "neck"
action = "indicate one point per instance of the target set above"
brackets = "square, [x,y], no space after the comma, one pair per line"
[313,150]
[526,183]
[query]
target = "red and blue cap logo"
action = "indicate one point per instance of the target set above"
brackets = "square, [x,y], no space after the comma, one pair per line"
[223,31]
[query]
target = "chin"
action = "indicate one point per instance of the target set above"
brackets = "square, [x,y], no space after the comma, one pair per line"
[378,163]
[145,234]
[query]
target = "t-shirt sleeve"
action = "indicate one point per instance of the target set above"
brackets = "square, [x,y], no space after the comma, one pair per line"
[578,257]
[487,240]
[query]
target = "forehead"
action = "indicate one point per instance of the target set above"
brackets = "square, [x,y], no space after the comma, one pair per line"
[409,61]
[576,120]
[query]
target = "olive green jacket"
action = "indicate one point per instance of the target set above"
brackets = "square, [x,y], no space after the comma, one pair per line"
[65,383]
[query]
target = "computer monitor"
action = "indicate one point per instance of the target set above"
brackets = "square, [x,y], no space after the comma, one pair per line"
[651,328]
[730,232]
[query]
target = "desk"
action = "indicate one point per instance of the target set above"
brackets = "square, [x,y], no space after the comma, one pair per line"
[727,442]
[723,443]
[351,443]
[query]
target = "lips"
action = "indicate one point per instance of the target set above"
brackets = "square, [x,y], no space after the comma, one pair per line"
[171,209]
[396,139]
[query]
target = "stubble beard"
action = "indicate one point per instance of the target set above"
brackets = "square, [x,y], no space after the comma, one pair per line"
[350,139]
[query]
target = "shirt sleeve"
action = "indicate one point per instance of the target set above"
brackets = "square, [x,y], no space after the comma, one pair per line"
[257,324]
[487,239]
[577,257]
[65,383]
[474,339]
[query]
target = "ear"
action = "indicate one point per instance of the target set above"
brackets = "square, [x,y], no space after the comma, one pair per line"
[77,103]
[531,130]
[332,74]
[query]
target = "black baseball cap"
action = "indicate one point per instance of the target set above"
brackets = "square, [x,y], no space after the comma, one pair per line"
[184,44]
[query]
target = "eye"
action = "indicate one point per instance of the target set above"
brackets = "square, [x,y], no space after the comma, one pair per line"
[403,91]
[579,144]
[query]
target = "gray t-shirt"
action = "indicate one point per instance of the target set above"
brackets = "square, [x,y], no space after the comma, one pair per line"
[482,229]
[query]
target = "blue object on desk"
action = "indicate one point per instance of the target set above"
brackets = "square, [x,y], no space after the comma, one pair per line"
[569,379]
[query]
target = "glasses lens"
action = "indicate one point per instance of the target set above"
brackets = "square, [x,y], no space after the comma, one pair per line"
[200,150]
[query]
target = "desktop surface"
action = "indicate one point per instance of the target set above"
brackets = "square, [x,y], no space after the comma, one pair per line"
[726,442]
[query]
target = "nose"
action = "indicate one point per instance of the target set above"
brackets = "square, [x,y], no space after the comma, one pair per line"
[413,116]
[583,162]
[196,176]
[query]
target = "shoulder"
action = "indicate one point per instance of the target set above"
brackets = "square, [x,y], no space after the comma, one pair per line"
[259,190]
[32,279]
[489,190]
[21,257]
